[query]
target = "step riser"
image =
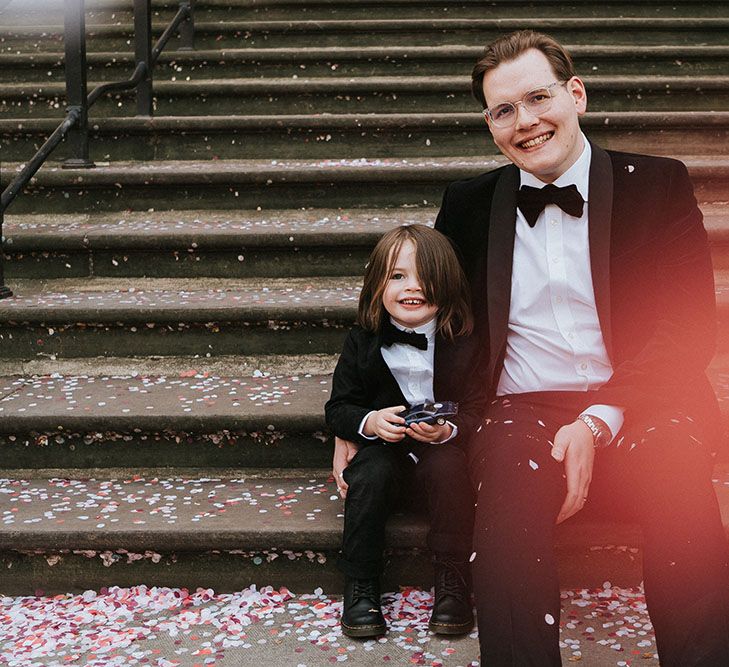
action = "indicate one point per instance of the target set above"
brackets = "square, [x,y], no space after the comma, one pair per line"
[361,193]
[28,104]
[286,141]
[181,263]
[27,574]
[316,336]
[257,447]
[217,37]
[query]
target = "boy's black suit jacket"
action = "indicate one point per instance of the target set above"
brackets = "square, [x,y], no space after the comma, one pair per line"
[362,382]
[651,272]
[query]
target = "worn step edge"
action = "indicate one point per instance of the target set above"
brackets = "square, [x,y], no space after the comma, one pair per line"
[325,306]
[638,120]
[418,84]
[267,172]
[239,365]
[441,52]
[186,304]
[206,230]
[210,231]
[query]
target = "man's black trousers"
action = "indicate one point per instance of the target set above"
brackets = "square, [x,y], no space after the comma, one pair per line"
[656,473]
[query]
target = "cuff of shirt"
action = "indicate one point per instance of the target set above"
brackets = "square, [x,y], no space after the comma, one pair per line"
[360,430]
[612,415]
[454,433]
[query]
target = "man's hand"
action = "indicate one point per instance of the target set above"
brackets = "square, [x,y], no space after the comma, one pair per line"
[429,432]
[344,452]
[573,444]
[386,424]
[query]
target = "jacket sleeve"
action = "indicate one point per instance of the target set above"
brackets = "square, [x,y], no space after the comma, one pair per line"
[350,400]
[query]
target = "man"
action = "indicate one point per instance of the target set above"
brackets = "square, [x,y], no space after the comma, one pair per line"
[594,304]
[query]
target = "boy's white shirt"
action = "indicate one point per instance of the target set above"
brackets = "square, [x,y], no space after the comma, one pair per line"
[413,371]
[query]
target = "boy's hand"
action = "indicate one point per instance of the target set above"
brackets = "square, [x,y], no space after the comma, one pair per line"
[344,452]
[429,432]
[386,424]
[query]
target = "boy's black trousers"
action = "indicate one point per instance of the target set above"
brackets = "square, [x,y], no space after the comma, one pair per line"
[385,478]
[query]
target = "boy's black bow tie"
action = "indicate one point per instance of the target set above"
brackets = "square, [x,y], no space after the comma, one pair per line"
[532,201]
[391,334]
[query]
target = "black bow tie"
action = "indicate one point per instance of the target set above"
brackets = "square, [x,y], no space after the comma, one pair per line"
[532,201]
[391,334]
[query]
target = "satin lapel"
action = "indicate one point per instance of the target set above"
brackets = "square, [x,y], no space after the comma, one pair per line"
[600,209]
[500,256]
[382,373]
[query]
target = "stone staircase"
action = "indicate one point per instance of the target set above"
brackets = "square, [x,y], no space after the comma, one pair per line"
[179,308]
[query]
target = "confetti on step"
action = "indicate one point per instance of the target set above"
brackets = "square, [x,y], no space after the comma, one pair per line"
[137,626]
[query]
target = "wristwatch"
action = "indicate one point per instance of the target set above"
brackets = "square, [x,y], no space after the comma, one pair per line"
[601,434]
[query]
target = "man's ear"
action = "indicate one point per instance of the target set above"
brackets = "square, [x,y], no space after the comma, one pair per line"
[576,88]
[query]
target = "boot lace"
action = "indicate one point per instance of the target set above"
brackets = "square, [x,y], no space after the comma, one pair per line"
[449,581]
[364,589]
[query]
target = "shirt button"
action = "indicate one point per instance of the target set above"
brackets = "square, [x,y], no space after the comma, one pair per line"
[555,260]
[558,299]
[554,223]
[570,335]
[583,366]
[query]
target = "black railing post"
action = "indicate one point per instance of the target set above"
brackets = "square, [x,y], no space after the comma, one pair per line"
[75,46]
[5,291]
[143,54]
[187,29]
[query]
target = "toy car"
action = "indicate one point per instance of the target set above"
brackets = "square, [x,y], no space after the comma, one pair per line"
[430,413]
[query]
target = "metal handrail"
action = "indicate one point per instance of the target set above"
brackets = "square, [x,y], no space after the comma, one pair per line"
[75,124]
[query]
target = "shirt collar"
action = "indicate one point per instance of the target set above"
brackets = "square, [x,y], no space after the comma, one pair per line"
[428,328]
[578,174]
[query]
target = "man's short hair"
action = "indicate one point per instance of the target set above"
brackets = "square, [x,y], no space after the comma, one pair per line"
[510,47]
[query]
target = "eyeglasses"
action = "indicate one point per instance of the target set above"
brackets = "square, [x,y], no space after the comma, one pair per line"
[536,102]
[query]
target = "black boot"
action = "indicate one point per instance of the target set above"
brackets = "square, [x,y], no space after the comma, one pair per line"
[452,611]
[362,616]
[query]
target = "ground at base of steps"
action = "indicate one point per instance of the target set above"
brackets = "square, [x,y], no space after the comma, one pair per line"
[170,627]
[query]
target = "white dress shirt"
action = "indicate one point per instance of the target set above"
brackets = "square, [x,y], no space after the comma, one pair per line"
[412,369]
[554,341]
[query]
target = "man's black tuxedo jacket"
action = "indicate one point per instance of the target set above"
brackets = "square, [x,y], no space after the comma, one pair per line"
[362,382]
[651,272]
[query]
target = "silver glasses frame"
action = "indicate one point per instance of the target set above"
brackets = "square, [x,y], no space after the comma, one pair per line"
[487,112]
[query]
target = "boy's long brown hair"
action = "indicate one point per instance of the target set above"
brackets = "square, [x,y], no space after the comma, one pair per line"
[441,279]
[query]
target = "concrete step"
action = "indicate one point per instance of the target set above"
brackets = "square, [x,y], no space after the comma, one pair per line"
[71,531]
[197,244]
[205,317]
[202,317]
[231,244]
[233,411]
[368,32]
[344,61]
[187,415]
[118,11]
[276,184]
[353,135]
[389,94]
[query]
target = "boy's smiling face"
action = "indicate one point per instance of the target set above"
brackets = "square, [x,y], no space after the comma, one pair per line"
[403,296]
[545,145]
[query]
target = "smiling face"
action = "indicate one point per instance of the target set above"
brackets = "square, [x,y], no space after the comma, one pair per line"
[545,145]
[403,296]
